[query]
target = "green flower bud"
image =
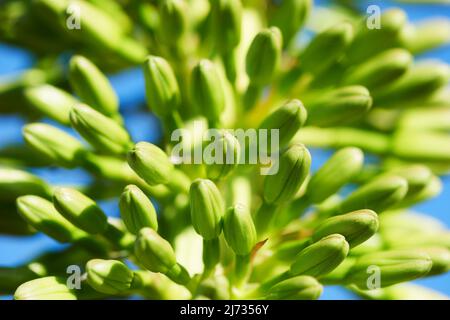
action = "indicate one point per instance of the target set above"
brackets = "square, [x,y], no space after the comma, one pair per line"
[15,183]
[440,258]
[297,288]
[82,211]
[436,119]
[150,163]
[418,176]
[421,146]
[293,167]
[103,133]
[395,266]
[56,145]
[430,190]
[263,56]
[226,159]
[342,166]
[47,288]
[239,230]
[378,195]
[288,119]
[92,86]
[226,20]
[321,257]
[161,87]
[427,35]
[207,92]
[380,70]
[207,208]
[356,227]
[326,48]
[41,214]
[51,102]
[136,210]
[339,106]
[173,20]
[109,276]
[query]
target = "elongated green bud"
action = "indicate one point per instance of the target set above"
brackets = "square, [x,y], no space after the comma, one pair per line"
[226,20]
[207,208]
[207,92]
[41,214]
[428,35]
[161,87]
[101,132]
[150,163]
[392,267]
[321,257]
[416,175]
[326,47]
[342,166]
[173,20]
[339,106]
[378,195]
[51,102]
[356,227]
[15,183]
[92,86]
[288,175]
[297,288]
[380,70]
[47,288]
[136,210]
[437,118]
[239,230]
[54,144]
[421,146]
[289,16]
[288,119]
[440,258]
[263,56]
[82,211]
[109,276]
[226,157]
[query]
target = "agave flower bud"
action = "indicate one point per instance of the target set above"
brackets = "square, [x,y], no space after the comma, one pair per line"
[378,195]
[356,227]
[41,214]
[51,102]
[263,56]
[101,132]
[430,190]
[136,210]
[440,258]
[56,145]
[239,230]
[339,106]
[161,87]
[296,288]
[47,288]
[15,183]
[293,167]
[173,20]
[326,47]
[417,176]
[207,208]
[92,86]
[226,159]
[207,91]
[82,211]
[109,276]
[427,35]
[227,20]
[154,252]
[289,16]
[380,70]
[394,266]
[342,166]
[321,257]
[288,119]
[150,163]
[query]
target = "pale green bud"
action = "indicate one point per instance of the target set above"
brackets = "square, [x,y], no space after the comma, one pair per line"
[79,209]
[150,163]
[440,257]
[226,20]
[15,183]
[47,288]
[173,20]
[92,86]
[103,133]
[239,230]
[207,208]
[297,288]
[54,144]
[136,210]
[109,276]
[227,159]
